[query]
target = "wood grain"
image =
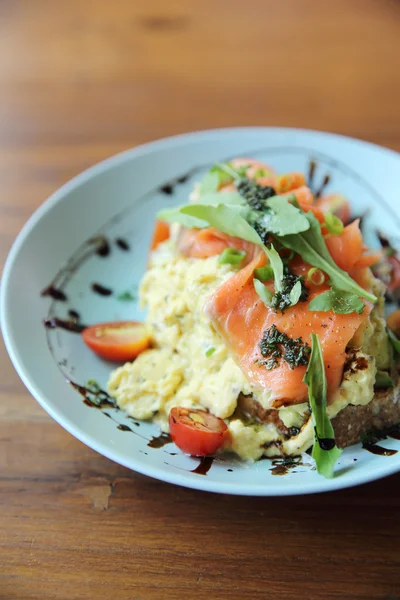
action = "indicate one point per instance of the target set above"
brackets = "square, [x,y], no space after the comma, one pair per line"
[79,81]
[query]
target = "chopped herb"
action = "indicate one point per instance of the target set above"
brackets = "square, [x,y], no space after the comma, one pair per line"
[383,380]
[264,273]
[275,345]
[254,194]
[284,298]
[92,385]
[210,351]
[333,223]
[126,297]
[231,256]
[261,173]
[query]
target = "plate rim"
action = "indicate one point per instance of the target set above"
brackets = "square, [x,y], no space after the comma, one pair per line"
[199,483]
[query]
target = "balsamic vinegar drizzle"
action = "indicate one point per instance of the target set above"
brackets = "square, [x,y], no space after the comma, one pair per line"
[204,465]
[74,314]
[104,248]
[323,185]
[101,289]
[370,442]
[160,441]
[122,244]
[71,325]
[311,171]
[54,293]
[375,449]
[95,398]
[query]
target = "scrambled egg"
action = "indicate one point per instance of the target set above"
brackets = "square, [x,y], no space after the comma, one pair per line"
[191,367]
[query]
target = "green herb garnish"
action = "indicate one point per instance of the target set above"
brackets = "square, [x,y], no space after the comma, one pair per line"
[333,223]
[383,380]
[394,340]
[341,302]
[264,273]
[210,351]
[275,345]
[126,297]
[231,256]
[325,452]
[315,276]
[311,246]
[264,293]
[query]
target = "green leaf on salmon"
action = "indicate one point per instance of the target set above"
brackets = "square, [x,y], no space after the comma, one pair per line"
[325,452]
[311,246]
[339,301]
[283,218]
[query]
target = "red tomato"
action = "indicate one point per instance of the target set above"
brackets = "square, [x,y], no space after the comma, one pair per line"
[119,341]
[197,432]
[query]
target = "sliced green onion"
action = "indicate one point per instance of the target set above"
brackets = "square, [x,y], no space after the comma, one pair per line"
[383,380]
[333,223]
[231,256]
[260,173]
[264,273]
[316,276]
[210,351]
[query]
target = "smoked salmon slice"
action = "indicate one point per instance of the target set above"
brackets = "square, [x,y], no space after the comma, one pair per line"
[240,318]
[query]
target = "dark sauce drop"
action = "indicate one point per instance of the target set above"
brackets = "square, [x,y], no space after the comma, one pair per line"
[311,171]
[54,293]
[326,443]
[283,466]
[183,179]
[394,432]
[103,248]
[69,325]
[375,449]
[122,244]
[230,470]
[167,189]
[161,440]
[123,427]
[323,185]
[74,315]
[204,465]
[94,398]
[101,289]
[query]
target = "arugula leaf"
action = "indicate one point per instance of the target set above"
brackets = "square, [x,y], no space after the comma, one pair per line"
[394,341]
[231,256]
[341,302]
[227,219]
[277,265]
[175,215]
[210,183]
[295,293]
[263,292]
[230,198]
[325,452]
[285,219]
[311,246]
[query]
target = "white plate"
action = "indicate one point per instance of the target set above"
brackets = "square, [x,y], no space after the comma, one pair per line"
[119,198]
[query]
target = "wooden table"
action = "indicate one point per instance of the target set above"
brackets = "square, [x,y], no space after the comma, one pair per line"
[79,81]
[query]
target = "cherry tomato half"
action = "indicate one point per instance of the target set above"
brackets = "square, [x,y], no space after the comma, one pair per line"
[119,341]
[197,432]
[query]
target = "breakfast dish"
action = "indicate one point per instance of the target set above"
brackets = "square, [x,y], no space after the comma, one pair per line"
[265,332]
